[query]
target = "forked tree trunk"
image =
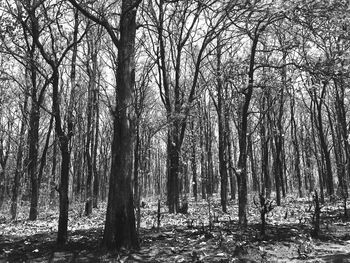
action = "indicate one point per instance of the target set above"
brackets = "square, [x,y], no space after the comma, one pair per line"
[242,134]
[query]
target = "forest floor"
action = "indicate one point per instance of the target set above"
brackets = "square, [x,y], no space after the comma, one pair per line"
[185,238]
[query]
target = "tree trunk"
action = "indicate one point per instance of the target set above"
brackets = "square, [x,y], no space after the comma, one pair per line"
[220,108]
[276,170]
[242,136]
[323,141]
[194,161]
[44,153]
[295,143]
[343,130]
[202,149]
[137,188]
[96,186]
[65,159]
[53,171]
[264,137]
[120,229]
[255,178]
[62,234]
[33,139]
[319,160]
[19,162]
[173,172]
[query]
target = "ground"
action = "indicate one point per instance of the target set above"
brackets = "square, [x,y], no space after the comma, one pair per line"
[185,238]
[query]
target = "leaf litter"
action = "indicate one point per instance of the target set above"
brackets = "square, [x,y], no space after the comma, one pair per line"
[194,237]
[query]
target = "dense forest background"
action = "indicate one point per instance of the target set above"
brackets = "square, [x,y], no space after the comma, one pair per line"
[173,101]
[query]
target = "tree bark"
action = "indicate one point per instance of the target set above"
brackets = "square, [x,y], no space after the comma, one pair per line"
[19,161]
[323,139]
[220,108]
[194,161]
[242,135]
[295,143]
[120,229]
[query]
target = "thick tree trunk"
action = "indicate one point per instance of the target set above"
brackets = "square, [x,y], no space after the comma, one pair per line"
[120,229]
[173,172]
[62,234]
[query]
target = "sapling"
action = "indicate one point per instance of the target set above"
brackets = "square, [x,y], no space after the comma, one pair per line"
[265,206]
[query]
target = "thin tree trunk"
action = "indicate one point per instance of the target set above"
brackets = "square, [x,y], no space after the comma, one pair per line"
[202,148]
[295,145]
[33,138]
[44,153]
[19,162]
[255,178]
[96,186]
[220,108]
[194,161]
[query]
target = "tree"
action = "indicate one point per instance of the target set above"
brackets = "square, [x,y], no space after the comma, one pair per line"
[120,230]
[261,24]
[178,90]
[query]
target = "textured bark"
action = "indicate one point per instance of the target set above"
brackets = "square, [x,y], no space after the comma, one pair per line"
[173,173]
[120,229]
